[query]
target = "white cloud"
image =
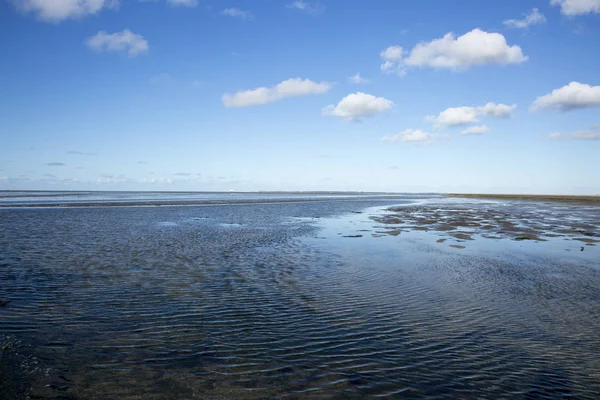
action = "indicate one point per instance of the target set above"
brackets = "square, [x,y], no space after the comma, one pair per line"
[309,8]
[60,10]
[163,79]
[264,95]
[127,41]
[185,3]
[590,134]
[570,97]
[393,58]
[357,105]
[237,13]
[457,116]
[471,49]
[476,130]
[358,79]
[409,135]
[577,7]
[497,110]
[533,18]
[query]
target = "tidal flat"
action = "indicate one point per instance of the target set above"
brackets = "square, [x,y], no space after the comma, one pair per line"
[414,296]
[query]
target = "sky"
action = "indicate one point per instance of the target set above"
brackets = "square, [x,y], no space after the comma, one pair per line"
[497,96]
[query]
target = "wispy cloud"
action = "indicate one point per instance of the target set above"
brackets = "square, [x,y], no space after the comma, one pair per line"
[80,153]
[476,130]
[313,8]
[238,13]
[56,164]
[533,18]
[125,41]
[265,95]
[593,133]
[357,79]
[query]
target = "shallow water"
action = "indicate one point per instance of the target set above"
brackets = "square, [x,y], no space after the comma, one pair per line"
[290,300]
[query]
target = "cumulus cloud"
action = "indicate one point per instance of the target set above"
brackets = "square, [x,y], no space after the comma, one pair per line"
[476,130]
[126,41]
[358,105]
[457,116]
[573,96]
[497,110]
[60,10]
[471,49]
[409,135]
[264,95]
[237,13]
[358,79]
[577,7]
[533,18]
[590,134]
[393,58]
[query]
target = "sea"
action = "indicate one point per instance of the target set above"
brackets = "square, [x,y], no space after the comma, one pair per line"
[137,295]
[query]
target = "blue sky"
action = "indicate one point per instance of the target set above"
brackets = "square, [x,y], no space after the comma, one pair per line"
[470,96]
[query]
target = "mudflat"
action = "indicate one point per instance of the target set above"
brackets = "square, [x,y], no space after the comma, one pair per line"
[538,197]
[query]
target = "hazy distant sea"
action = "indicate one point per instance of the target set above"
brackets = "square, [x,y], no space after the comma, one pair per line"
[279,295]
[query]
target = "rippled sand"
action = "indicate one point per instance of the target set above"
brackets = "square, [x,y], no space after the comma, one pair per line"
[305,300]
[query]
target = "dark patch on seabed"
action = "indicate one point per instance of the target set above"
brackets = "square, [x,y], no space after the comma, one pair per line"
[332,299]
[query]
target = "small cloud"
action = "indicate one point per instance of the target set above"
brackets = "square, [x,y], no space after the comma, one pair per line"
[265,95]
[357,79]
[237,13]
[195,84]
[533,18]
[125,41]
[80,153]
[590,134]
[577,7]
[185,3]
[393,59]
[55,164]
[163,79]
[459,116]
[322,156]
[108,178]
[573,96]
[50,176]
[313,8]
[476,130]
[394,167]
[474,48]
[409,135]
[358,105]
[56,11]
[142,162]
[182,174]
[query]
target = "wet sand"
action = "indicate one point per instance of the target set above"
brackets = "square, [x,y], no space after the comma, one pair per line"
[537,197]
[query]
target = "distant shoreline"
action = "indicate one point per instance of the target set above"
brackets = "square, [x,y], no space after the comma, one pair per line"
[547,197]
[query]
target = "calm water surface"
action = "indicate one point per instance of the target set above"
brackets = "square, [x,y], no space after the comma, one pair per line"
[292,300]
